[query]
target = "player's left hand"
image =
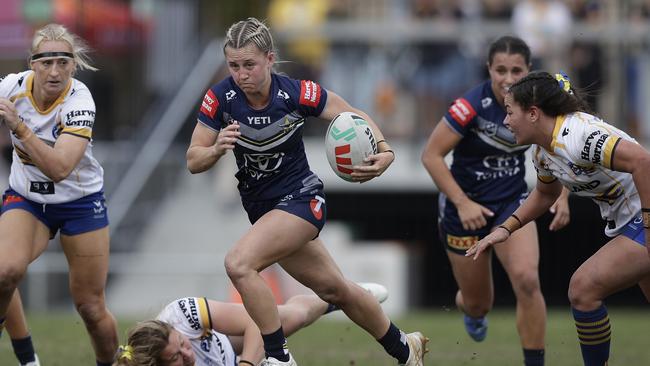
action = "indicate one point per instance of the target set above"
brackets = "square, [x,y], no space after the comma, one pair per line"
[376,166]
[497,236]
[562,213]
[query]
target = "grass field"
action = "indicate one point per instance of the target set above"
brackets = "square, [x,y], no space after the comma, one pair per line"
[61,340]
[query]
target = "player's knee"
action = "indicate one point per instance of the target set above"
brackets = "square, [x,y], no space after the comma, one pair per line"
[527,284]
[236,268]
[331,294]
[10,276]
[92,311]
[581,290]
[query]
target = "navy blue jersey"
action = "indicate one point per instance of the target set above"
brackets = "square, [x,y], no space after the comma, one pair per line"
[488,164]
[270,153]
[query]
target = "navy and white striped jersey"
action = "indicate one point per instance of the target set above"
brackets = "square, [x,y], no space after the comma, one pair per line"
[487,163]
[270,153]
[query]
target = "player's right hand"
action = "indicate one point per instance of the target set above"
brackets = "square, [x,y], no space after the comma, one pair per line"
[227,138]
[497,236]
[472,215]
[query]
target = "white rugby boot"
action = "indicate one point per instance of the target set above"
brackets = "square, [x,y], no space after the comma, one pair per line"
[380,292]
[417,348]
[36,362]
[273,362]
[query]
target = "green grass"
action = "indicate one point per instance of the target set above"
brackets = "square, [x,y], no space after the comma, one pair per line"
[61,340]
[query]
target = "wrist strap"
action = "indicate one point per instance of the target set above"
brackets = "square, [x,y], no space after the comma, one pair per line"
[505,228]
[512,224]
[246,362]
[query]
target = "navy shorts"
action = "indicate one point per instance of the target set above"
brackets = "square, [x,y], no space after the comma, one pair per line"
[634,230]
[308,204]
[86,214]
[457,239]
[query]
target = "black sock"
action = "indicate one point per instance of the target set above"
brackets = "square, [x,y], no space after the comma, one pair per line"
[394,342]
[275,345]
[533,357]
[99,363]
[330,308]
[24,349]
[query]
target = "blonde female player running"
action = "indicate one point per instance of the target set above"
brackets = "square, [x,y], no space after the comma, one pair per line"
[55,183]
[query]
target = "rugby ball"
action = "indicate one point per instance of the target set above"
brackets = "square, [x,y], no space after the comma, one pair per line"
[349,140]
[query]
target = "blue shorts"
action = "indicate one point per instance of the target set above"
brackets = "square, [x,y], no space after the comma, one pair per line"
[457,239]
[307,204]
[86,214]
[634,230]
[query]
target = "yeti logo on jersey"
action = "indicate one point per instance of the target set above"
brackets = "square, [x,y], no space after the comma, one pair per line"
[309,93]
[191,312]
[210,104]
[462,112]
[262,165]
[230,95]
[499,166]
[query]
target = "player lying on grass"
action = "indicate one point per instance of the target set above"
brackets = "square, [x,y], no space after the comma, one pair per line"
[198,331]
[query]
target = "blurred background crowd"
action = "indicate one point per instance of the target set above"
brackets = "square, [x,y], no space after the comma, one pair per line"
[402,61]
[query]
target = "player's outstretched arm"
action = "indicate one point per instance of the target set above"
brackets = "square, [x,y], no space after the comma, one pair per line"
[539,200]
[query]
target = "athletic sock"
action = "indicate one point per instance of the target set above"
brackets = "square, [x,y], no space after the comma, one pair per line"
[275,345]
[533,357]
[594,334]
[331,308]
[394,342]
[103,363]
[24,349]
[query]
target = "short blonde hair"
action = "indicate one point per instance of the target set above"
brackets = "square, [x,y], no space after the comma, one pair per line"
[57,32]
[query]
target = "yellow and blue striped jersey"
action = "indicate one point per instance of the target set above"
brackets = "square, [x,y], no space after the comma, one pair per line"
[583,149]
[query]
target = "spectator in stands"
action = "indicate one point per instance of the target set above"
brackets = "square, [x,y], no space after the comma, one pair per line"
[443,71]
[580,151]
[216,333]
[484,185]
[545,26]
[259,115]
[55,182]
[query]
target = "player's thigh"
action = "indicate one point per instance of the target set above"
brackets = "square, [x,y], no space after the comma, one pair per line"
[473,277]
[519,255]
[23,237]
[619,264]
[275,236]
[88,258]
[313,266]
[644,284]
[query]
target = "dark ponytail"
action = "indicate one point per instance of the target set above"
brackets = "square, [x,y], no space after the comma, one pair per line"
[554,95]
